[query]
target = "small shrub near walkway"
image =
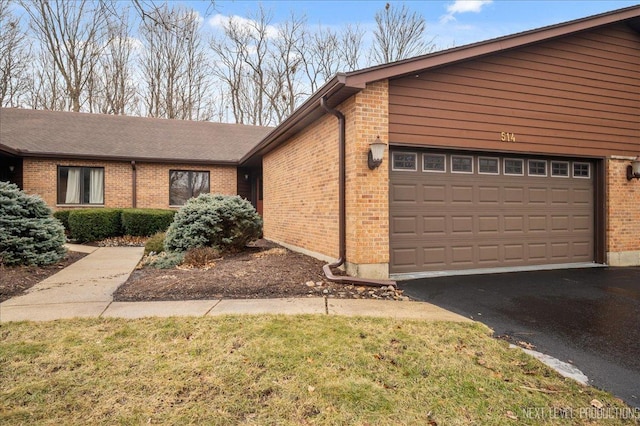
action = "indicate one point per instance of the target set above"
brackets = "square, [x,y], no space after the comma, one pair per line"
[281,370]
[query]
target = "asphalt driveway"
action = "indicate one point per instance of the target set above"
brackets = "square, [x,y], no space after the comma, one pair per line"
[588,317]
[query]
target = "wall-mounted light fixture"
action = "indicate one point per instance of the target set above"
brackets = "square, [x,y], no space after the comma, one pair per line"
[633,169]
[376,152]
[12,168]
[246,176]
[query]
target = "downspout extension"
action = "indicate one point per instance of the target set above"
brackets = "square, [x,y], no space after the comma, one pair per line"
[134,184]
[342,229]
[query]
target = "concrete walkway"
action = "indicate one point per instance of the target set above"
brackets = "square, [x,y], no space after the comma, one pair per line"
[85,289]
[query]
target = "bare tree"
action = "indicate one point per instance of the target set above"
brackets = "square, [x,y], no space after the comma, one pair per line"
[174,66]
[14,61]
[114,90]
[48,90]
[321,57]
[285,66]
[241,59]
[71,32]
[399,34]
[350,47]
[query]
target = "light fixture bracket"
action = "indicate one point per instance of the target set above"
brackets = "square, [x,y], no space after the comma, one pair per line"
[633,169]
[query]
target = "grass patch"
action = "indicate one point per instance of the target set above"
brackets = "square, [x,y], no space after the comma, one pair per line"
[276,370]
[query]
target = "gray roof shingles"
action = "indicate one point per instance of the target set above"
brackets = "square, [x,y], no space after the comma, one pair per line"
[30,132]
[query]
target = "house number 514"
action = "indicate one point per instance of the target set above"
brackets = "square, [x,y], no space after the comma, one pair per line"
[507,137]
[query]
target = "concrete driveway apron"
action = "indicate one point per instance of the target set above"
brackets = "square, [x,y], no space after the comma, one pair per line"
[587,317]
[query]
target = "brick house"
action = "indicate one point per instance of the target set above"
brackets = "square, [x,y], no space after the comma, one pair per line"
[508,153]
[80,160]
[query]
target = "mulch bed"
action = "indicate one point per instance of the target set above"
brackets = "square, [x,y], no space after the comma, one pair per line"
[15,280]
[265,270]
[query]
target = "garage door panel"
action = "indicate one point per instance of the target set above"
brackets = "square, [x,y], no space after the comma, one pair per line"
[537,195]
[435,225]
[448,221]
[489,224]
[537,223]
[582,250]
[582,196]
[404,225]
[489,254]
[513,252]
[435,257]
[461,225]
[582,222]
[404,193]
[537,251]
[434,194]
[559,222]
[462,255]
[461,194]
[405,257]
[513,195]
[488,195]
[560,196]
[514,224]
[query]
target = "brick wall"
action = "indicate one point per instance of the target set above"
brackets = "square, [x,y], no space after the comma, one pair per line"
[368,190]
[301,186]
[40,177]
[623,215]
[301,190]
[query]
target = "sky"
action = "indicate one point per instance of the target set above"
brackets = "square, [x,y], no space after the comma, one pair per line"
[450,23]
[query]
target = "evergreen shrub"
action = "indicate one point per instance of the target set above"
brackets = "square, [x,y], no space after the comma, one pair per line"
[29,234]
[145,222]
[94,224]
[224,222]
[63,216]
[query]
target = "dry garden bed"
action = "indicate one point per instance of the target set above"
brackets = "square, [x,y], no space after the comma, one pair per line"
[263,271]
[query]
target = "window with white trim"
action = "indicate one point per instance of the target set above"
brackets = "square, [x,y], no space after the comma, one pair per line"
[537,167]
[488,165]
[405,161]
[581,170]
[185,184]
[461,164]
[80,185]
[434,163]
[560,168]
[513,166]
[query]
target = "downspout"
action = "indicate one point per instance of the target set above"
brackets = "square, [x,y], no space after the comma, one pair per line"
[134,184]
[342,211]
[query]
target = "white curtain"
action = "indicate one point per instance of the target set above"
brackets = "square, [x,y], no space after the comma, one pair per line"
[73,186]
[96,191]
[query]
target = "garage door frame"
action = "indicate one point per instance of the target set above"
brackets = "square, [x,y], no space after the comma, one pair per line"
[598,206]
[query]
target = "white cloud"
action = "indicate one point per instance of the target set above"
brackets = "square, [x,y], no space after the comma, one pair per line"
[463,6]
[219,21]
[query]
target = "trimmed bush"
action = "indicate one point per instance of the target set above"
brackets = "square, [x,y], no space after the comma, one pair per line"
[155,244]
[29,234]
[145,222]
[94,224]
[220,221]
[63,216]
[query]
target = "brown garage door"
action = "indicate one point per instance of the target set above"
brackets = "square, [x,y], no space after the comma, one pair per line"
[453,211]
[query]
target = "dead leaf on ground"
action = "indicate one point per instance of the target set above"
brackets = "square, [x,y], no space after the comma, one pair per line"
[511,415]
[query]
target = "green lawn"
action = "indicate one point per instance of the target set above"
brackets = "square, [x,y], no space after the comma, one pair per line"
[279,370]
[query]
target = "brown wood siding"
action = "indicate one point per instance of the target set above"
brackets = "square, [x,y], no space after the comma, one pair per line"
[578,95]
